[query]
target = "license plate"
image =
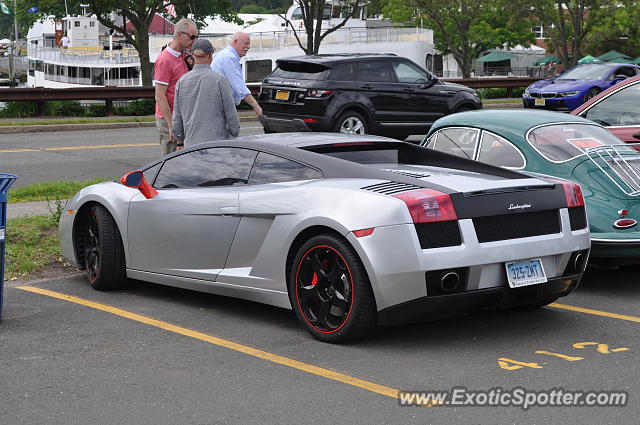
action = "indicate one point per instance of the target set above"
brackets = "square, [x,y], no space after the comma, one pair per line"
[539,102]
[526,272]
[282,95]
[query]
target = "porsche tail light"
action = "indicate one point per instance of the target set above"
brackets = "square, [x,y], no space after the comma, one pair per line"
[428,205]
[624,223]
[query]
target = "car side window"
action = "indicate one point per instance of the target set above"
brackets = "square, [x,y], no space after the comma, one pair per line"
[274,169]
[344,72]
[205,168]
[626,71]
[406,72]
[456,141]
[620,108]
[497,151]
[374,71]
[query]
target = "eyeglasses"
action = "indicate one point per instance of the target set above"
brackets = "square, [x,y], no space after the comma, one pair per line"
[191,36]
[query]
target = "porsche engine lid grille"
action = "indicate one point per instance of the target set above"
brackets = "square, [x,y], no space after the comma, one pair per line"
[390,188]
[513,226]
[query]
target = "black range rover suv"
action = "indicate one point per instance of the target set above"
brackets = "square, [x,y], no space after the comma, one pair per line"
[350,93]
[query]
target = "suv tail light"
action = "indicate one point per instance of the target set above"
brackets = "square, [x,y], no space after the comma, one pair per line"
[428,205]
[318,93]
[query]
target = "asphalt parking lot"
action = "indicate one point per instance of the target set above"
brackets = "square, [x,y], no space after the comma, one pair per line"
[154,354]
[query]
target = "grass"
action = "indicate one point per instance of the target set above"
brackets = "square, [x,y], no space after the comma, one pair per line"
[50,190]
[32,247]
[54,121]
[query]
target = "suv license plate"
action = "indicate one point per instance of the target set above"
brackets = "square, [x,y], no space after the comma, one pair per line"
[282,95]
[526,272]
[539,102]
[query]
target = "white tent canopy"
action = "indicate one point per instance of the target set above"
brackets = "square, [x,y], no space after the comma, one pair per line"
[5,41]
[270,23]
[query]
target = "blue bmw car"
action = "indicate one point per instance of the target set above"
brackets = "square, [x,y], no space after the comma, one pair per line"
[577,85]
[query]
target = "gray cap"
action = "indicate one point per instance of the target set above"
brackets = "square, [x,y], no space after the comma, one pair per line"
[202,47]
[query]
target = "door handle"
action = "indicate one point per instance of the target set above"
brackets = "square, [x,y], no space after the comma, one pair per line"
[636,136]
[408,90]
[367,87]
[230,210]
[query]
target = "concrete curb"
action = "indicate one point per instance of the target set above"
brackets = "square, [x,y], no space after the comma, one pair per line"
[89,126]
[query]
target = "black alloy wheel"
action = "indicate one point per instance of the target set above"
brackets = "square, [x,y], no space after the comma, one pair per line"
[593,92]
[330,291]
[103,251]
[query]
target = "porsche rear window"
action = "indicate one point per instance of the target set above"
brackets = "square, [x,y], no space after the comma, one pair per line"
[563,142]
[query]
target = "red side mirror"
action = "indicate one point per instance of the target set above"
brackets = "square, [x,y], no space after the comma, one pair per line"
[136,180]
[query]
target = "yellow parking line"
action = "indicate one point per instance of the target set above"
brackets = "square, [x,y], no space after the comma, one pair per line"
[65,148]
[596,312]
[285,361]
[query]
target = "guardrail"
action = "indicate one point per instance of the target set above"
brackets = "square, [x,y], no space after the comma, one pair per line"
[109,94]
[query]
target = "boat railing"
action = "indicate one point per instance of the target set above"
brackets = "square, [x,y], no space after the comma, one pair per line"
[621,161]
[285,39]
[86,55]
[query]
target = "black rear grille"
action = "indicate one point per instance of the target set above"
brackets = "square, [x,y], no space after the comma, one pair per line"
[390,188]
[513,226]
[438,234]
[577,218]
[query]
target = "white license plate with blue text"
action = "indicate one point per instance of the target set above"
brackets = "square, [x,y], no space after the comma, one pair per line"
[539,102]
[525,272]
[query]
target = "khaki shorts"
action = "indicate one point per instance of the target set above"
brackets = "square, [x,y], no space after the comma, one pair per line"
[166,146]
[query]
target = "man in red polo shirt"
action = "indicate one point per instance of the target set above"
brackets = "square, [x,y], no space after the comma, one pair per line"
[169,67]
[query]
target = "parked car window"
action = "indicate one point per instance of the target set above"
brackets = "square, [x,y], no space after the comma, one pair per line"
[344,71]
[376,71]
[456,141]
[497,151]
[406,72]
[620,108]
[274,169]
[150,173]
[563,142]
[586,72]
[300,70]
[206,167]
[627,71]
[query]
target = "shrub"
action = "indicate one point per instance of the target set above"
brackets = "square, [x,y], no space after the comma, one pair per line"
[95,110]
[18,110]
[137,107]
[64,108]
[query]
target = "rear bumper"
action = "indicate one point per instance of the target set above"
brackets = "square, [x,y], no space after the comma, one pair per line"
[274,122]
[438,307]
[615,251]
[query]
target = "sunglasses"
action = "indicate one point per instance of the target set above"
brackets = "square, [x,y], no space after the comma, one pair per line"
[193,37]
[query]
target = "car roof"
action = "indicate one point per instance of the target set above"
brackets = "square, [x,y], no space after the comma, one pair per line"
[335,57]
[506,119]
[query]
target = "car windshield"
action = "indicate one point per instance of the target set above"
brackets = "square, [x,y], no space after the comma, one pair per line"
[586,72]
[562,142]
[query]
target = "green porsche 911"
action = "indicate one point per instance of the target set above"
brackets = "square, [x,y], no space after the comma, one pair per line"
[563,146]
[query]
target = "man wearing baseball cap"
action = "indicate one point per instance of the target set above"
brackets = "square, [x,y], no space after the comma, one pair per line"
[204,108]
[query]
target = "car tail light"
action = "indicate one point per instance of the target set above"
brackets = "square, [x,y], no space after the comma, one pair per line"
[318,93]
[572,192]
[428,205]
[624,223]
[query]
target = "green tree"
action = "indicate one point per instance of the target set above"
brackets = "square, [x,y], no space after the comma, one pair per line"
[619,28]
[569,23]
[312,12]
[139,13]
[253,8]
[465,28]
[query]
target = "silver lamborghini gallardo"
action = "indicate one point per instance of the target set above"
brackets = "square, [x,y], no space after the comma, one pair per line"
[349,231]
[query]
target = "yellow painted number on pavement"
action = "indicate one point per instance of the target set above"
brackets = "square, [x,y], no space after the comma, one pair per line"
[602,348]
[508,364]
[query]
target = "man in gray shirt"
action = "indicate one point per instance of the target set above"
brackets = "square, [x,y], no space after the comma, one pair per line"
[203,108]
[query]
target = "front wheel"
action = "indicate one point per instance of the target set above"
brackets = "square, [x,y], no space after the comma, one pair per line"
[351,122]
[103,251]
[593,92]
[330,292]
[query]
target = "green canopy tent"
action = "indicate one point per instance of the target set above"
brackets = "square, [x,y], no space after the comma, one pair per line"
[637,60]
[589,59]
[612,55]
[496,57]
[547,60]
[620,60]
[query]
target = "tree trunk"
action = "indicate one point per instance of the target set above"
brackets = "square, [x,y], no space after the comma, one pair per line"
[142,45]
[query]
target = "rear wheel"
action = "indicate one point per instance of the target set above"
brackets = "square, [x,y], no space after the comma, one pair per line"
[593,92]
[330,292]
[351,122]
[104,253]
